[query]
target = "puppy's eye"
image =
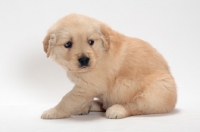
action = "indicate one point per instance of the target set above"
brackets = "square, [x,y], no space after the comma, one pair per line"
[68,44]
[91,42]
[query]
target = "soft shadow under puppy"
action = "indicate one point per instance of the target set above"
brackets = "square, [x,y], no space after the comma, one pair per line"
[175,111]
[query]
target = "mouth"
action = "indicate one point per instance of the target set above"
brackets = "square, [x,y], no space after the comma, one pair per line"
[82,69]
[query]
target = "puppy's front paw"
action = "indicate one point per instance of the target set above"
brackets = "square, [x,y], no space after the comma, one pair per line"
[116,112]
[53,113]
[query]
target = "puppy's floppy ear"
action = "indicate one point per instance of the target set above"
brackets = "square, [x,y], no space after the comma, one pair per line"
[48,43]
[104,32]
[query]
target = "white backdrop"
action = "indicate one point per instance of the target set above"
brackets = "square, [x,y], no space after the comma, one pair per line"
[30,82]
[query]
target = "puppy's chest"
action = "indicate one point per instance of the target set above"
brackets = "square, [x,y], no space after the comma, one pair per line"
[90,82]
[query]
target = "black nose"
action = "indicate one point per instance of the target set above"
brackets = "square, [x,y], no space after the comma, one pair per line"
[84,61]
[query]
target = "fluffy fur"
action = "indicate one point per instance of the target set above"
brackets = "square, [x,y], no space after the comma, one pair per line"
[127,75]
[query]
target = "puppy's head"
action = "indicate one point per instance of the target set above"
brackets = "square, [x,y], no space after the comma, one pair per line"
[77,42]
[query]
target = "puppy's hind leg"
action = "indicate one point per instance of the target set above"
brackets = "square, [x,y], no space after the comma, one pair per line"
[157,96]
[92,106]
[117,111]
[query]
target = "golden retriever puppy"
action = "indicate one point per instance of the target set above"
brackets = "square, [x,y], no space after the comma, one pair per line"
[127,75]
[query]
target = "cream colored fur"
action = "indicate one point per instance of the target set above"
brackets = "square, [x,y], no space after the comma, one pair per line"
[127,75]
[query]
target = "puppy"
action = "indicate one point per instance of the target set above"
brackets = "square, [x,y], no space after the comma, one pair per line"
[127,75]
